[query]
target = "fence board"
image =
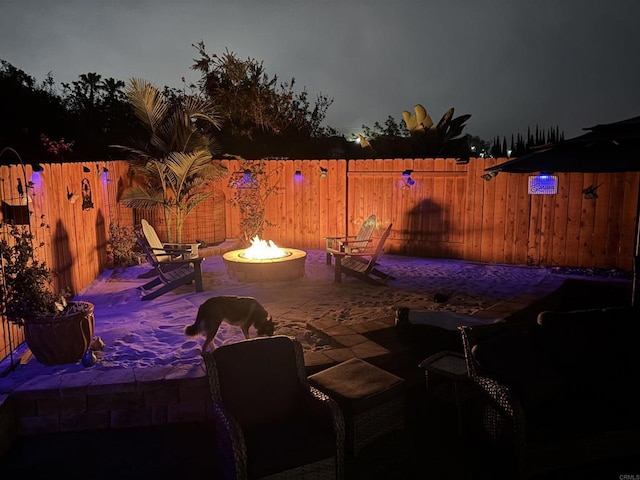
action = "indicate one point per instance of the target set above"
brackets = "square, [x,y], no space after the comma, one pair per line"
[587,223]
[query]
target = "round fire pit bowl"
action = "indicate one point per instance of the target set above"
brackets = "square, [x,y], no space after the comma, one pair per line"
[243,269]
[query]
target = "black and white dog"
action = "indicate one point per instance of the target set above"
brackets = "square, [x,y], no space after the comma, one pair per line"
[234,310]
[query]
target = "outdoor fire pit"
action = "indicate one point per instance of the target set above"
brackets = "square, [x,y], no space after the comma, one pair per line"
[265,262]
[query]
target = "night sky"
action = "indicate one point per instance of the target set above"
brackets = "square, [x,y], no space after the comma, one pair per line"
[511,64]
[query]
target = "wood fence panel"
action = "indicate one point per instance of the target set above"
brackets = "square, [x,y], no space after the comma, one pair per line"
[336,198]
[399,236]
[458,201]
[630,215]
[509,244]
[523,211]
[489,210]
[498,221]
[574,214]
[616,199]
[62,255]
[558,245]
[324,195]
[316,203]
[473,210]
[585,256]
[274,229]
[601,220]
[549,206]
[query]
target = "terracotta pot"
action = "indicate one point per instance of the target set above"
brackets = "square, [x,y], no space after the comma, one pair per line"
[60,340]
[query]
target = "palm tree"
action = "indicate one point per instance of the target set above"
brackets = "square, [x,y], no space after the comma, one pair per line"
[174,155]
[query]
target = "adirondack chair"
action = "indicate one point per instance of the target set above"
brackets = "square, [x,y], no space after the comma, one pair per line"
[167,251]
[351,243]
[362,264]
[171,274]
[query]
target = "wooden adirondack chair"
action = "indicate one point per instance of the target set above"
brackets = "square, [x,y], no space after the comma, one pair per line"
[167,251]
[171,274]
[351,243]
[362,264]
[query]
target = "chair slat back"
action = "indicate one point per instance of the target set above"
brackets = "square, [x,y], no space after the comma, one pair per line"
[154,242]
[382,240]
[148,252]
[365,233]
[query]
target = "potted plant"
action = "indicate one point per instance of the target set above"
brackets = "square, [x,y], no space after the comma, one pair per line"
[57,330]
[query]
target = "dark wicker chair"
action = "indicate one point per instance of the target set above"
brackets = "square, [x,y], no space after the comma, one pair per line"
[553,394]
[270,422]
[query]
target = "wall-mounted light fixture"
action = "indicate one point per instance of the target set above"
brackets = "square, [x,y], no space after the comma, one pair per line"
[589,193]
[407,176]
[105,170]
[323,172]
[489,175]
[247,175]
[36,167]
[298,174]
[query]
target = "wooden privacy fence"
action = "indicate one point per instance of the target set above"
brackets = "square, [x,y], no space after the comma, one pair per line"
[450,211]
[446,211]
[70,214]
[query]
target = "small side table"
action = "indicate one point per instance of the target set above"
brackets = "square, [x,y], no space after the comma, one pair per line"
[371,399]
[452,366]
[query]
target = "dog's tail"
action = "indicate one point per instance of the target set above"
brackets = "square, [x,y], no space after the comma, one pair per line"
[193,330]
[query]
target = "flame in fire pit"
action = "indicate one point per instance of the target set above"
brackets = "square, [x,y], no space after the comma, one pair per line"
[261,250]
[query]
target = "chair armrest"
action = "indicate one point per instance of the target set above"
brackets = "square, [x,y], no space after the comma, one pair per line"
[502,413]
[170,251]
[350,249]
[342,237]
[338,422]
[230,443]
[190,248]
[335,244]
[183,261]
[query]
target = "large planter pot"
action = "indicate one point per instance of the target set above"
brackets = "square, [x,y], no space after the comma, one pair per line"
[60,340]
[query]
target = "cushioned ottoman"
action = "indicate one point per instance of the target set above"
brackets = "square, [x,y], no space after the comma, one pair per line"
[372,399]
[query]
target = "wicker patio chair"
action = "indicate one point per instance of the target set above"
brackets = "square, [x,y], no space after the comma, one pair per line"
[553,394]
[270,422]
